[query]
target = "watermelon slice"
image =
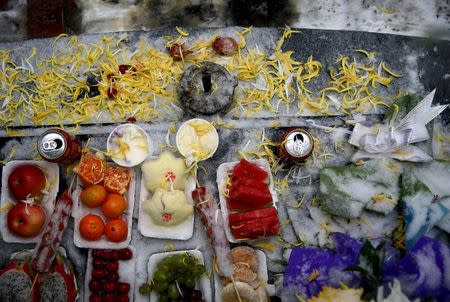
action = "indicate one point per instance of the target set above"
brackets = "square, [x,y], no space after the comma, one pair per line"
[249,182]
[245,169]
[248,198]
[254,224]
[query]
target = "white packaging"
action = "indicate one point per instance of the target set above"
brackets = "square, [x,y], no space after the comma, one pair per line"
[202,284]
[222,174]
[79,211]
[47,201]
[261,275]
[148,228]
[127,273]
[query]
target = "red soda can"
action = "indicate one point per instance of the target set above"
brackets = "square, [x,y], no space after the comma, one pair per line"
[296,145]
[58,146]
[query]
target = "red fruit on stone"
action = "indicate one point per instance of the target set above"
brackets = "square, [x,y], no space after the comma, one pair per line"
[123,287]
[124,68]
[131,119]
[177,52]
[225,46]
[26,181]
[112,266]
[125,254]
[95,286]
[112,92]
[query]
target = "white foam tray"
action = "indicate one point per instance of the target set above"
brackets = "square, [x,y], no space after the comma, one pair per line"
[202,283]
[79,211]
[222,173]
[47,201]
[262,275]
[148,228]
[127,273]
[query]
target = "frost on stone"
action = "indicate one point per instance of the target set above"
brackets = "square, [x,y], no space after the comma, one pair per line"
[346,191]
[423,208]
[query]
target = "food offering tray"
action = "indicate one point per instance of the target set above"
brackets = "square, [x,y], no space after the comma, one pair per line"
[79,211]
[47,202]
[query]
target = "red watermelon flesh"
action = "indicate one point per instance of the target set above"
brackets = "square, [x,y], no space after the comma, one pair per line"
[245,198]
[245,169]
[249,182]
[254,224]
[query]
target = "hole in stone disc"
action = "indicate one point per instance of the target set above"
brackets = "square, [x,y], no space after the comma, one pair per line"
[207,85]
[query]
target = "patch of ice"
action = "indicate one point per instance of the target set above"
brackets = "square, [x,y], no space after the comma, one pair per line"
[435,175]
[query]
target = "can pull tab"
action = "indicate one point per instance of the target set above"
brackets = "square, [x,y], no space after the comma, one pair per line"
[299,137]
[52,145]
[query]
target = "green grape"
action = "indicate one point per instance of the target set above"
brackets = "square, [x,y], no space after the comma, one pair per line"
[179,263]
[164,267]
[173,291]
[198,270]
[190,282]
[145,289]
[160,276]
[159,286]
[163,297]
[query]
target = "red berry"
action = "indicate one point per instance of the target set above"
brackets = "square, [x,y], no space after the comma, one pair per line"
[98,274]
[112,92]
[225,46]
[123,287]
[112,266]
[124,68]
[115,255]
[113,276]
[122,298]
[177,51]
[98,254]
[98,263]
[109,298]
[110,77]
[95,298]
[125,254]
[131,119]
[109,287]
[95,286]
